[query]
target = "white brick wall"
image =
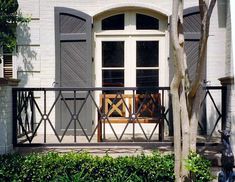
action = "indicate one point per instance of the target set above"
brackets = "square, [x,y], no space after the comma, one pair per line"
[41,30]
[216,48]
[5,119]
[229,67]
[28,34]
[29,8]
[231,116]
[232,15]
[28,57]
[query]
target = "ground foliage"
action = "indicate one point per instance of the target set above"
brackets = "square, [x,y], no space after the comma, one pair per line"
[199,168]
[85,167]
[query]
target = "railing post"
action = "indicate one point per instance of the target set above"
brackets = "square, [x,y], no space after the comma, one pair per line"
[14,118]
[224,105]
[32,112]
[44,115]
[134,112]
[161,124]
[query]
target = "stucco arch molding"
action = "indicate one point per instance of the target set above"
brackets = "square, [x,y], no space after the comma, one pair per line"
[121,6]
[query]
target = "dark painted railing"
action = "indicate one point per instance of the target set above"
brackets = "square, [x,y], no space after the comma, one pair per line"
[72,116]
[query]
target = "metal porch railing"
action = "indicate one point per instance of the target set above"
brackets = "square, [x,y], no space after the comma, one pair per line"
[73,116]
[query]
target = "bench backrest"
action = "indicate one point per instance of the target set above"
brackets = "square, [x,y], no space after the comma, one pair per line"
[122,105]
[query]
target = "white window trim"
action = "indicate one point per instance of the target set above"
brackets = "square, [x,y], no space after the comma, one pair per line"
[130,59]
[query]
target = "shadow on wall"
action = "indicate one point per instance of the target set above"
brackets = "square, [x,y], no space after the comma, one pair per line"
[26,55]
[222,13]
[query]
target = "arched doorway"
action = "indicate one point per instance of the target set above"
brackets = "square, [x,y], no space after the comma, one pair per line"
[130,49]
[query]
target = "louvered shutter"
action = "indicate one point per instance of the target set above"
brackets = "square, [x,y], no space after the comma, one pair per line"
[73,63]
[73,36]
[192,33]
[192,25]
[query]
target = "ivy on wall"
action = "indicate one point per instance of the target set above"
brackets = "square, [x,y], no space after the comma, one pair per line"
[9,18]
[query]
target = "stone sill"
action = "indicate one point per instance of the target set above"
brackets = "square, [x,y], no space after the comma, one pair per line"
[9,82]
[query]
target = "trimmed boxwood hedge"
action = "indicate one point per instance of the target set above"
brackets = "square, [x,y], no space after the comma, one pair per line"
[85,167]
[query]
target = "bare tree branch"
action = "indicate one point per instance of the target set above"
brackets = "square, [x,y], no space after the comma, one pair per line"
[174,22]
[202,47]
[211,7]
[202,8]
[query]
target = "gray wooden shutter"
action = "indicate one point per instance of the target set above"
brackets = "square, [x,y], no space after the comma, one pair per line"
[73,48]
[192,25]
[192,33]
[73,66]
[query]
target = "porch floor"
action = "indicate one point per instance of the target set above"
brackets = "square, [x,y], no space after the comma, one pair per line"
[210,150]
[81,139]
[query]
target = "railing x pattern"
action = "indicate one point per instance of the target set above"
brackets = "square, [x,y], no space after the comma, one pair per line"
[34,111]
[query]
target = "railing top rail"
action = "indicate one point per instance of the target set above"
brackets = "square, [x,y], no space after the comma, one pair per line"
[214,87]
[103,88]
[87,88]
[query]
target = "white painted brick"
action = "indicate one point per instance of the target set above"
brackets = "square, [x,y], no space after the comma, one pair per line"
[5,120]
[29,8]
[28,58]
[28,34]
[29,79]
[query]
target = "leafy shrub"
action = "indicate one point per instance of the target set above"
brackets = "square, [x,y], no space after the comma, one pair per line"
[199,168]
[83,167]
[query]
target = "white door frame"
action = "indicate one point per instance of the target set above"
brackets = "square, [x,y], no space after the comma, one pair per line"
[130,58]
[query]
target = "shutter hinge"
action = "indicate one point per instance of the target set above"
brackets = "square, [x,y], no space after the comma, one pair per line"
[92,25]
[168,24]
[92,59]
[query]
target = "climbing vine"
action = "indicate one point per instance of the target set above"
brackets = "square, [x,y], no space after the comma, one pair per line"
[9,18]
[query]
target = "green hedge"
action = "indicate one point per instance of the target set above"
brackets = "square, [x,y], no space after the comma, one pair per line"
[199,168]
[84,167]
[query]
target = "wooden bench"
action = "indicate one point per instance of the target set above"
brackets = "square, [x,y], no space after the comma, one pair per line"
[146,108]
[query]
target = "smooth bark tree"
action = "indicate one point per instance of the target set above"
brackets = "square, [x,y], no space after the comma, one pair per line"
[186,93]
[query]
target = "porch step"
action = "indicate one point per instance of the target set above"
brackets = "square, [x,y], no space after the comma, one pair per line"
[114,150]
[127,149]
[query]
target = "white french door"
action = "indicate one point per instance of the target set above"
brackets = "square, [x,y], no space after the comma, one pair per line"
[130,61]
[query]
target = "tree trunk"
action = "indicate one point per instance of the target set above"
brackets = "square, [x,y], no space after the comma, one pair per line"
[186,96]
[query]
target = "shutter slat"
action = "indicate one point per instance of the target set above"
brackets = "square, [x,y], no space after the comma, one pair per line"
[72,24]
[7,72]
[192,25]
[7,66]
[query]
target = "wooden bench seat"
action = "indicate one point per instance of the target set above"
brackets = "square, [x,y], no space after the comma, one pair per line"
[122,109]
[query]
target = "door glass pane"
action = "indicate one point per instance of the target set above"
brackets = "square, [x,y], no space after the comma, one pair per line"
[113,54]
[113,78]
[144,22]
[147,53]
[146,78]
[115,22]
